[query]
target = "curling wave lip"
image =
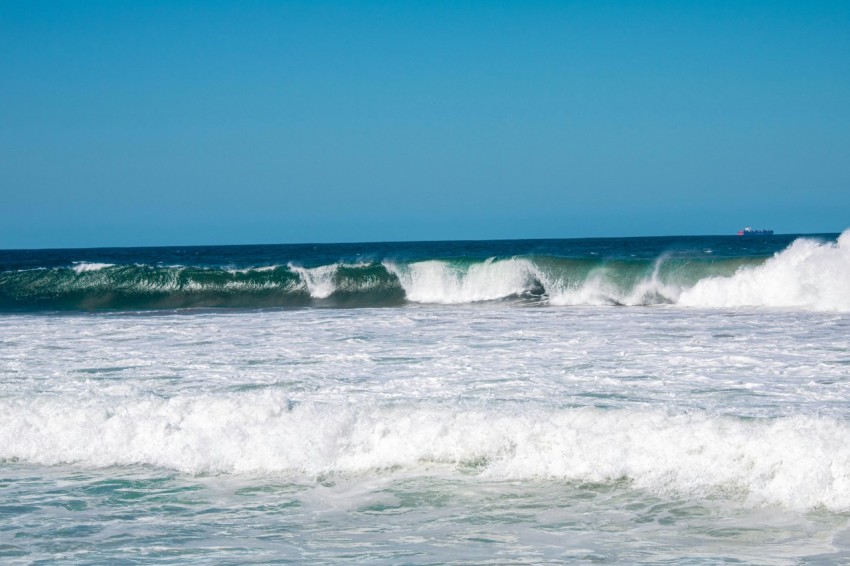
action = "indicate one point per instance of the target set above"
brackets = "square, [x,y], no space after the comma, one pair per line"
[809,274]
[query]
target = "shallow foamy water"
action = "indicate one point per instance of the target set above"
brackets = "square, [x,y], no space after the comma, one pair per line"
[426,434]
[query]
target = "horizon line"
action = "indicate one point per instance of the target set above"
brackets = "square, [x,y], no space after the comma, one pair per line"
[375,242]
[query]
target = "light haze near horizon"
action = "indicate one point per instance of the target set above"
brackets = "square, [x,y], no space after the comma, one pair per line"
[219,123]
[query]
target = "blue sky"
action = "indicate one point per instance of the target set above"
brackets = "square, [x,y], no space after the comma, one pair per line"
[132,123]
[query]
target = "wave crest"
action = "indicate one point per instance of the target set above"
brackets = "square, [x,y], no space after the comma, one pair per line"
[799,462]
[446,283]
[808,274]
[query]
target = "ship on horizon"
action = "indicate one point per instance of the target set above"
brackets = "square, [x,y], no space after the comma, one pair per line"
[755,232]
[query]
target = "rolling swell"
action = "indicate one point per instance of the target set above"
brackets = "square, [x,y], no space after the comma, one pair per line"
[142,287]
[808,274]
[561,281]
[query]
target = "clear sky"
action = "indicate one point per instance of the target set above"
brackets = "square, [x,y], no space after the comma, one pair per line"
[143,123]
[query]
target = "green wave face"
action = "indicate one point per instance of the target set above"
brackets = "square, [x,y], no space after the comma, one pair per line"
[558,281]
[629,282]
[145,287]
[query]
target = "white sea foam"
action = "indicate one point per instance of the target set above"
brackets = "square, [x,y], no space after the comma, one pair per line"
[261,269]
[799,462]
[596,289]
[321,281]
[808,274]
[600,288]
[318,280]
[83,267]
[437,281]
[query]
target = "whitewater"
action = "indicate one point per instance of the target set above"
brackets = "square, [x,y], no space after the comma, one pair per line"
[809,273]
[624,400]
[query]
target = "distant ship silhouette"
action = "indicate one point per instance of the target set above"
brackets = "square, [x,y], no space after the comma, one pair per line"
[751,232]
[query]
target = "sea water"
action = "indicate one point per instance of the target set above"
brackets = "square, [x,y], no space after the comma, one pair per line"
[617,400]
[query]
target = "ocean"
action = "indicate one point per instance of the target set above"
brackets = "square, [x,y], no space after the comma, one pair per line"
[623,400]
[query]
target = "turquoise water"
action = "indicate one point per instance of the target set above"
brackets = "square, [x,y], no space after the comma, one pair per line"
[141,516]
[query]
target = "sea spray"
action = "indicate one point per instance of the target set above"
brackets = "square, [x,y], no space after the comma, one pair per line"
[450,283]
[809,273]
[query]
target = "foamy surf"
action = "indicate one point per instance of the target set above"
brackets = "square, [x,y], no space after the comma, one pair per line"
[799,462]
[415,427]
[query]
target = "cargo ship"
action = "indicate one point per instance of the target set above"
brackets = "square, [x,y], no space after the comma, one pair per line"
[752,232]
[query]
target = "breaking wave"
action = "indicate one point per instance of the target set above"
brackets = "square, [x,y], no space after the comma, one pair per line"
[799,462]
[445,283]
[809,274]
